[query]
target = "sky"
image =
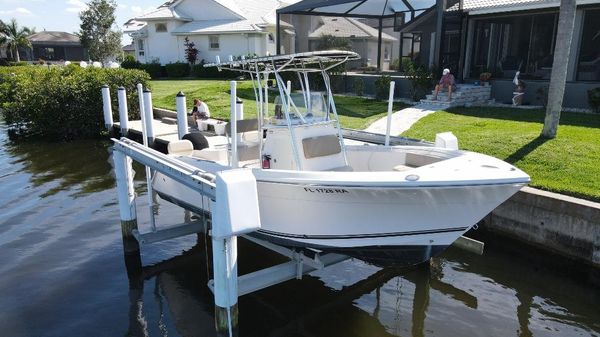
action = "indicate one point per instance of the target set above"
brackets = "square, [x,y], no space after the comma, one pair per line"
[63,15]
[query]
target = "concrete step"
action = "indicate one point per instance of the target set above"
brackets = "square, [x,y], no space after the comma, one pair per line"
[169,120]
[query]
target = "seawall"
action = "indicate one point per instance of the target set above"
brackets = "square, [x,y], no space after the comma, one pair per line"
[561,224]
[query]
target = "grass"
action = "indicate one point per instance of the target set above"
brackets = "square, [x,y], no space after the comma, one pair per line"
[568,164]
[354,112]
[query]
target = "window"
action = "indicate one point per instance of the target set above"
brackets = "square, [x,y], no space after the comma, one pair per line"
[140,45]
[213,42]
[411,46]
[506,45]
[48,53]
[161,27]
[588,66]
[386,53]
[271,38]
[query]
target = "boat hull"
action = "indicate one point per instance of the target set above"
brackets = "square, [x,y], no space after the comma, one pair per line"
[385,225]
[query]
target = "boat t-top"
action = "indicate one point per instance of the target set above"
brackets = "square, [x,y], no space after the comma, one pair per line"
[395,205]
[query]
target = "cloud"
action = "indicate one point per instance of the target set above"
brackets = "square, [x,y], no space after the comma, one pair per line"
[19,11]
[76,6]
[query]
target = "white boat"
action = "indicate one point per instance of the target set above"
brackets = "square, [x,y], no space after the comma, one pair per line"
[395,205]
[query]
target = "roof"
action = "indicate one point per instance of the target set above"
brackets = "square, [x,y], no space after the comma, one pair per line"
[164,11]
[129,47]
[356,8]
[53,37]
[496,6]
[216,26]
[347,27]
[253,15]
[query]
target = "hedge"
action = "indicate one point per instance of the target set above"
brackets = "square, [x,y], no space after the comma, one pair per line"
[177,69]
[64,102]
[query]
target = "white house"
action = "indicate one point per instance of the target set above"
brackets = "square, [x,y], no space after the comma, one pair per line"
[217,27]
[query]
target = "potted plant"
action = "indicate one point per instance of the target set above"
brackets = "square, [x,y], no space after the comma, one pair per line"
[484,78]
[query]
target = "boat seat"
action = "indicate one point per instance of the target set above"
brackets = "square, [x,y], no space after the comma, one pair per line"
[321,146]
[180,147]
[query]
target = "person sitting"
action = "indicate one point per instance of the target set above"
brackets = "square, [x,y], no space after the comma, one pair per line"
[447,81]
[200,110]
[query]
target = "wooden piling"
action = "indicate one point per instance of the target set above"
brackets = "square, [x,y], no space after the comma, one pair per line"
[126,196]
[107,107]
[225,285]
[182,120]
[149,117]
[123,112]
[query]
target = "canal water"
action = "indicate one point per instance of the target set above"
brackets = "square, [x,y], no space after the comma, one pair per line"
[62,272]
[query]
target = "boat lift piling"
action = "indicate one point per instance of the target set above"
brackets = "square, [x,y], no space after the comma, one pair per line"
[148,117]
[107,107]
[181,115]
[123,113]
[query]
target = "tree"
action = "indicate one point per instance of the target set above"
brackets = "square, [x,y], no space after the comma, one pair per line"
[191,52]
[14,37]
[558,78]
[328,42]
[96,33]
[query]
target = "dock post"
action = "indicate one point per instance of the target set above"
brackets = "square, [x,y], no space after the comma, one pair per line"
[388,128]
[126,196]
[182,121]
[108,118]
[226,292]
[149,117]
[123,112]
[235,213]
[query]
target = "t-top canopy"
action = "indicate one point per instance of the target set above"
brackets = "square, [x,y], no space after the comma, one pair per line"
[306,62]
[357,8]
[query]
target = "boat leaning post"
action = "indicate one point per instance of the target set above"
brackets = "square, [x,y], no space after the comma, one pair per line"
[149,117]
[181,115]
[236,213]
[123,112]
[388,128]
[107,107]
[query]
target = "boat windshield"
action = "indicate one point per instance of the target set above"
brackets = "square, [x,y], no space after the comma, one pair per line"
[312,110]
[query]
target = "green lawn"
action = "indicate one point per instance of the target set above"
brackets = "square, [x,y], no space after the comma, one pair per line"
[568,164]
[354,112]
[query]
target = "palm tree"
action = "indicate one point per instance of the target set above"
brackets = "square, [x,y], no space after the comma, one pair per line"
[14,37]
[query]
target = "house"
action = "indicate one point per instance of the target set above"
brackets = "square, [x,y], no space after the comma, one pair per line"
[216,27]
[54,46]
[509,36]
[363,38]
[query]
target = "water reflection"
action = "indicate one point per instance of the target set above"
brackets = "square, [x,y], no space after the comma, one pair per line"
[62,272]
[447,298]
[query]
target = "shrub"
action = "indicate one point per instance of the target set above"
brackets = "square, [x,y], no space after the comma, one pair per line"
[358,86]
[177,69]
[594,99]
[64,102]
[131,63]
[382,87]
[419,78]
[154,69]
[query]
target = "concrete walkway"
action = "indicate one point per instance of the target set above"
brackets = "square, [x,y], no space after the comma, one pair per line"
[402,120]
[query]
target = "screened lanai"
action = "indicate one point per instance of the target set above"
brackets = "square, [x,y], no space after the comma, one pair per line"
[401,11]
